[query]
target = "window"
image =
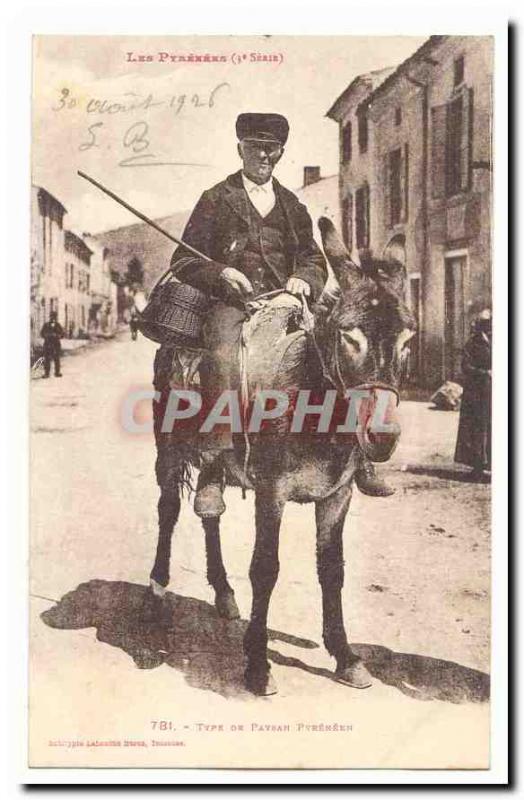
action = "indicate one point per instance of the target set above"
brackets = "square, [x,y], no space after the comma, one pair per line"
[451,145]
[346,142]
[363,132]
[455,123]
[362,216]
[396,185]
[395,202]
[398,115]
[458,71]
[347,220]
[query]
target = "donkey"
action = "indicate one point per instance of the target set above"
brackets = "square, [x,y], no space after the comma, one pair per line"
[360,336]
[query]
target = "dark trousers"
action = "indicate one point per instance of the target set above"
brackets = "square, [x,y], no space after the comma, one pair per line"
[219,369]
[51,355]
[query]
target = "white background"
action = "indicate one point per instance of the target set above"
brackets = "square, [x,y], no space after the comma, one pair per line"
[265,16]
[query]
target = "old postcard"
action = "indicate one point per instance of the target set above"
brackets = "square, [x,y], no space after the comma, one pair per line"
[261,354]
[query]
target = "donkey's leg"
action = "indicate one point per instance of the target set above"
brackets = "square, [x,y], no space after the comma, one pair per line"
[225,603]
[168,512]
[263,574]
[330,516]
[154,610]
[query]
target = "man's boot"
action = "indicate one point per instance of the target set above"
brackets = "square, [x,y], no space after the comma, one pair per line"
[209,501]
[369,482]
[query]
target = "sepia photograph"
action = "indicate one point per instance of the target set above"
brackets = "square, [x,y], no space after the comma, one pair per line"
[261,305]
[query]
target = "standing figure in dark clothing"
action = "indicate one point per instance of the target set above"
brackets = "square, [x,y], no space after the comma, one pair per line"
[474,433]
[260,238]
[51,333]
[133,325]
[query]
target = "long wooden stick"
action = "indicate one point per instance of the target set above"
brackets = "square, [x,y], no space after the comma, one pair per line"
[143,217]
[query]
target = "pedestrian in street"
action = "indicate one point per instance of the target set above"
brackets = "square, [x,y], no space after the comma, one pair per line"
[474,433]
[51,333]
[133,325]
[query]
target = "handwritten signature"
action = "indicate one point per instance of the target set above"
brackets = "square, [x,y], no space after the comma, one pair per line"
[135,140]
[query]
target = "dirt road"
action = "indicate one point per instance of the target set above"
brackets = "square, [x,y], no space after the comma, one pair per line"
[416,602]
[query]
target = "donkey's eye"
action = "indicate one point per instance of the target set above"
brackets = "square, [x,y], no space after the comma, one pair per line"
[355,340]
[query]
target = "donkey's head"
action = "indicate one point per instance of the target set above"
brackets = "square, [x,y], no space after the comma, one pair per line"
[364,331]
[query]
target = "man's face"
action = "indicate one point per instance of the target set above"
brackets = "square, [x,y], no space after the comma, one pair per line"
[259,158]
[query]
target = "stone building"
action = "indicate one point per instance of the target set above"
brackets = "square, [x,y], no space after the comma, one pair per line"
[102,309]
[421,189]
[77,297]
[355,182]
[70,274]
[47,258]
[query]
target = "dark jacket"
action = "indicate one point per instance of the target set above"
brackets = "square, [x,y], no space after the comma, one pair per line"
[51,333]
[218,227]
[474,433]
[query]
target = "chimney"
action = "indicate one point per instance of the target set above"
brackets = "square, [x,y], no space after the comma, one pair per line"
[311,175]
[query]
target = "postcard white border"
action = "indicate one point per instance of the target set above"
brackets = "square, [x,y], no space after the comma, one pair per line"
[269,16]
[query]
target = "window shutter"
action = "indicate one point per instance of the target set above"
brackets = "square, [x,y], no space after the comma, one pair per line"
[387,190]
[367,206]
[346,142]
[467,138]
[404,184]
[438,150]
[347,220]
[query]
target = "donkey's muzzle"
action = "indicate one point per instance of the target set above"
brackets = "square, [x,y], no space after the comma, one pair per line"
[378,431]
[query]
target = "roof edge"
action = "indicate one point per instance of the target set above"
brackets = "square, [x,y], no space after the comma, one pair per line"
[425,48]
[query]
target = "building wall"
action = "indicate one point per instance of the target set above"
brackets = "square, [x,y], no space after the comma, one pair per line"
[77,294]
[460,224]
[407,137]
[357,171]
[100,321]
[436,226]
[321,199]
[47,259]
[56,251]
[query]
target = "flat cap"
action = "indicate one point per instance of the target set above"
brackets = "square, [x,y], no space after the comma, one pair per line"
[263,127]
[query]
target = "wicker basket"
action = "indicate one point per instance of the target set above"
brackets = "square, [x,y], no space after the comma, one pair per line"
[174,313]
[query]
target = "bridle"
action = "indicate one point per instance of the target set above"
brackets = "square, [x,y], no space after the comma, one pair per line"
[338,380]
[371,386]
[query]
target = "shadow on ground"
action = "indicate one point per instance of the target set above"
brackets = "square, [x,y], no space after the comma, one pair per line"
[449,474]
[187,634]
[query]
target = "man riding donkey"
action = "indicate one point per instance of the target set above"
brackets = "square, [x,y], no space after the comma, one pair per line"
[259,238]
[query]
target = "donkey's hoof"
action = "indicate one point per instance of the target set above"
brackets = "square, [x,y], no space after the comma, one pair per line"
[356,676]
[226,605]
[260,683]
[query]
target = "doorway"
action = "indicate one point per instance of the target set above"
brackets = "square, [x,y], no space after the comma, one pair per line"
[454,316]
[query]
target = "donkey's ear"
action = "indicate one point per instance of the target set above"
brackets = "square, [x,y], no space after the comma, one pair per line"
[346,271]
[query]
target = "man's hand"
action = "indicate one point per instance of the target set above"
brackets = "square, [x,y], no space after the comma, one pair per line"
[298,287]
[237,281]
